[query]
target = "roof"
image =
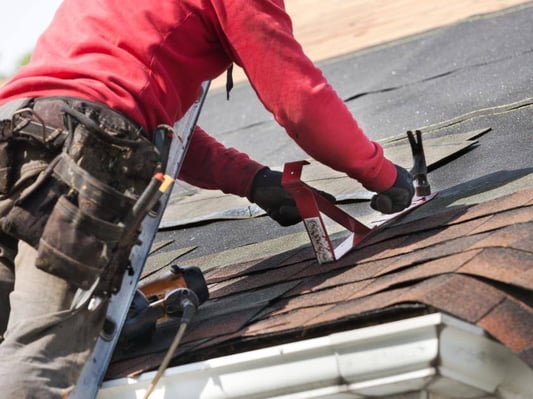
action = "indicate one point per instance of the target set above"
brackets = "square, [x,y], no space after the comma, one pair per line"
[471,262]
[468,253]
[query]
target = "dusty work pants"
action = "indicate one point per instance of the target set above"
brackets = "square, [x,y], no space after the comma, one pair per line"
[46,344]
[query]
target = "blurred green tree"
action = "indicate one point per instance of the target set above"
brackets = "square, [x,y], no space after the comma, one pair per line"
[24,59]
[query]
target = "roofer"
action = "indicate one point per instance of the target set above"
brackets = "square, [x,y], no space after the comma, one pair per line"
[77,125]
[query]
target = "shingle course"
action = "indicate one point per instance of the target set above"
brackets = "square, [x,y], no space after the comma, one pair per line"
[475,263]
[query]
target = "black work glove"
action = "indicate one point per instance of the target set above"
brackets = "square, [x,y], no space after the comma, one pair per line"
[268,193]
[398,197]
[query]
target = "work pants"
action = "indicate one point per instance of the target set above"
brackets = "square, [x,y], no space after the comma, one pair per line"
[46,343]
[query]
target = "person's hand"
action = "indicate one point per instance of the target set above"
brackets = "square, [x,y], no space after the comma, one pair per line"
[398,197]
[268,193]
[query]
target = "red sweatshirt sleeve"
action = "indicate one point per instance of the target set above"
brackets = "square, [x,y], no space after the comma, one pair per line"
[258,34]
[209,164]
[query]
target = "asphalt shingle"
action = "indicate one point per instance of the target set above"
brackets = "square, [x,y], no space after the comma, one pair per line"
[476,267]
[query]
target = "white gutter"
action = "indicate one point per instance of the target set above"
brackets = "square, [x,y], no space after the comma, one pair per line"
[435,354]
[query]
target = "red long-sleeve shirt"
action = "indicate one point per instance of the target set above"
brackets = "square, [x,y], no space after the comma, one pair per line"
[147,59]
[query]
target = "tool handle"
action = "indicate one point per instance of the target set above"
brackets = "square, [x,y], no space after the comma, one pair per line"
[162,284]
[147,200]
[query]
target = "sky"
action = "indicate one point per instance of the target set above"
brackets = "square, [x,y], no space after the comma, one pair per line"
[22,23]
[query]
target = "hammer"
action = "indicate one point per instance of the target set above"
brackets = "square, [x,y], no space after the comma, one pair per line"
[419,171]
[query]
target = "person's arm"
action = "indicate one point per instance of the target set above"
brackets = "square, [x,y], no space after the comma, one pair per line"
[258,35]
[209,164]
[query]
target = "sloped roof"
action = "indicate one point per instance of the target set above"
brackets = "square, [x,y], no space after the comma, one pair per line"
[471,262]
[467,253]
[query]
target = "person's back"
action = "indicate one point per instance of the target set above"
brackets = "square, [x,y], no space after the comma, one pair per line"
[144,58]
[147,60]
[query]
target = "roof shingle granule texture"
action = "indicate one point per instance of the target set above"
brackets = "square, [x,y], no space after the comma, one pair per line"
[474,263]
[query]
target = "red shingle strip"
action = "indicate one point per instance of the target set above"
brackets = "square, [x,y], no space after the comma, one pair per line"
[249,267]
[355,273]
[302,254]
[452,248]
[442,236]
[517,236]
[505,265]
[526,243]
[512,201]
[369,270]
[511,322]
[442,218]
[462,296]
[220,325]
[257,280]
[503,219]
[227,272]
[330,296]
[501,265]
[352,308]
[413,274]
[286,322]
[360,264]
[433,238]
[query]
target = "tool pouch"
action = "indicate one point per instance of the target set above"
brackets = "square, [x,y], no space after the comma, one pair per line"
[75,245]
[74,213]
[29,214]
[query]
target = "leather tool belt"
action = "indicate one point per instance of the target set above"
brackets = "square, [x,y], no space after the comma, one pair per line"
[70,172]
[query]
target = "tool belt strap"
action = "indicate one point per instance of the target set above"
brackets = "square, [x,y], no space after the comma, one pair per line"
[46,135]
[89,187]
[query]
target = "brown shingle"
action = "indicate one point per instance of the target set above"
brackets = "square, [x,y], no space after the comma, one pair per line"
[462,296]
[474,263]
[517,236]
[220,325]
[290,321]
[454,249]
[259,280]
[232,271]
[511,322]
[443,218]
[491,207]
[506,265]
[412,274]
[358,306]
[332,295]
[503,219]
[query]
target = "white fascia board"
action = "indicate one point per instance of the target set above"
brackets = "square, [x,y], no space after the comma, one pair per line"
[433,353]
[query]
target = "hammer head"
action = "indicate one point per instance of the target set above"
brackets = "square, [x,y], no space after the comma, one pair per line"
[419,170]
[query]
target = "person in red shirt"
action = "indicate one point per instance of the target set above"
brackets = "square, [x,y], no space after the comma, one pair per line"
[111,72]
